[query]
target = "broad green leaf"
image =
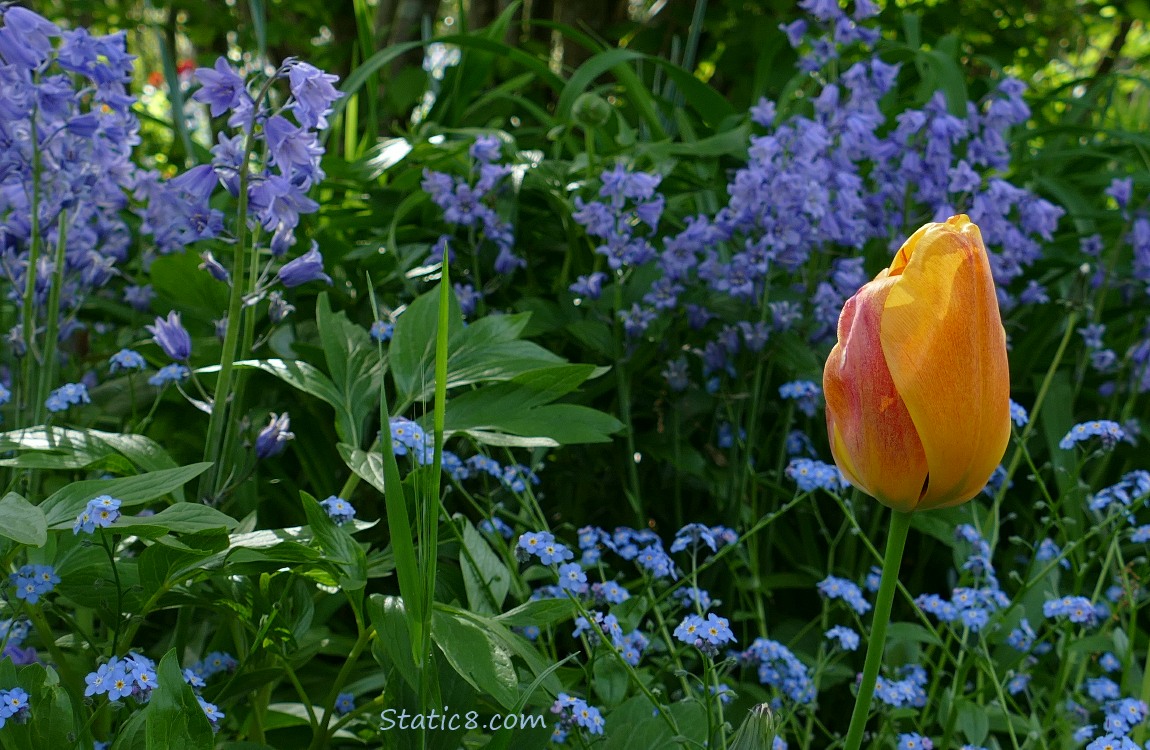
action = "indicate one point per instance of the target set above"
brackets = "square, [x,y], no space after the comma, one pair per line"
[566,424]
[181,518]
[22,522]
[412,347]
[393,647]
[477,655]
[353,362]
[541,612]
[487,350]
[77,449]
[65,504]
[174,716]
[972,720]
[485,577]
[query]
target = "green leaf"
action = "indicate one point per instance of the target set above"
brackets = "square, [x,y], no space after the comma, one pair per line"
[22,522]
[485,577]
[487,350]
[63,448]
[181,518]
[476,655]
[972,720]
[911,632]
[174,716]
[353,362]
[66,503]
[522,407]
[610,680]
[412,347]
[541,612]
[337,544]
[393,647]
[566,424]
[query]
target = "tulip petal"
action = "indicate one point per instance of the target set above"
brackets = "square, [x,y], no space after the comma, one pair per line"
[945,347]
[873,438]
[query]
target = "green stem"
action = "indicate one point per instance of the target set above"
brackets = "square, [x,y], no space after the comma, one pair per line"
[47,375]
[213,448]
[624,387]
[895,542]
[30,404]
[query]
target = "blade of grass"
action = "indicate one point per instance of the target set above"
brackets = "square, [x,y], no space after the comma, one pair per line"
[407,568]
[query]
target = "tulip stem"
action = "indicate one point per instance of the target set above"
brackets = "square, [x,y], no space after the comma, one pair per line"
[892,561]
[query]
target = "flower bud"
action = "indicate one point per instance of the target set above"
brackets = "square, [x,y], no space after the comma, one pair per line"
[918,386]
[591,110]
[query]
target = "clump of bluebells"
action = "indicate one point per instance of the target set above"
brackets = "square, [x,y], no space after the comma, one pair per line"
[467,204]
[66,170]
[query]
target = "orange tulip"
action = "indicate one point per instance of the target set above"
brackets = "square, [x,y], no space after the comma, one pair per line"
[918,386]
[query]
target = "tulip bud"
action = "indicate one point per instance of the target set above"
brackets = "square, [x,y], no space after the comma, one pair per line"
[918,386]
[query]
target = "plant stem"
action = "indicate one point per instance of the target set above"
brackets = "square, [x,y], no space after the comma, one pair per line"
[895,542]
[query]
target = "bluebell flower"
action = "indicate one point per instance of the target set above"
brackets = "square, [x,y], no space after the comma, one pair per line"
[126,359]
[677,374]
[847,639]
[589,286]
[312,92]
[25,38]
[306,268]
[272,440]
[338,509]
[1121,190]
[214,268]
[486,149]
[221,88]
[1107,431]
[172,337]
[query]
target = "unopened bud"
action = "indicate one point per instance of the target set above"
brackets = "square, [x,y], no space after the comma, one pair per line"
[591,110]
[757,731]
